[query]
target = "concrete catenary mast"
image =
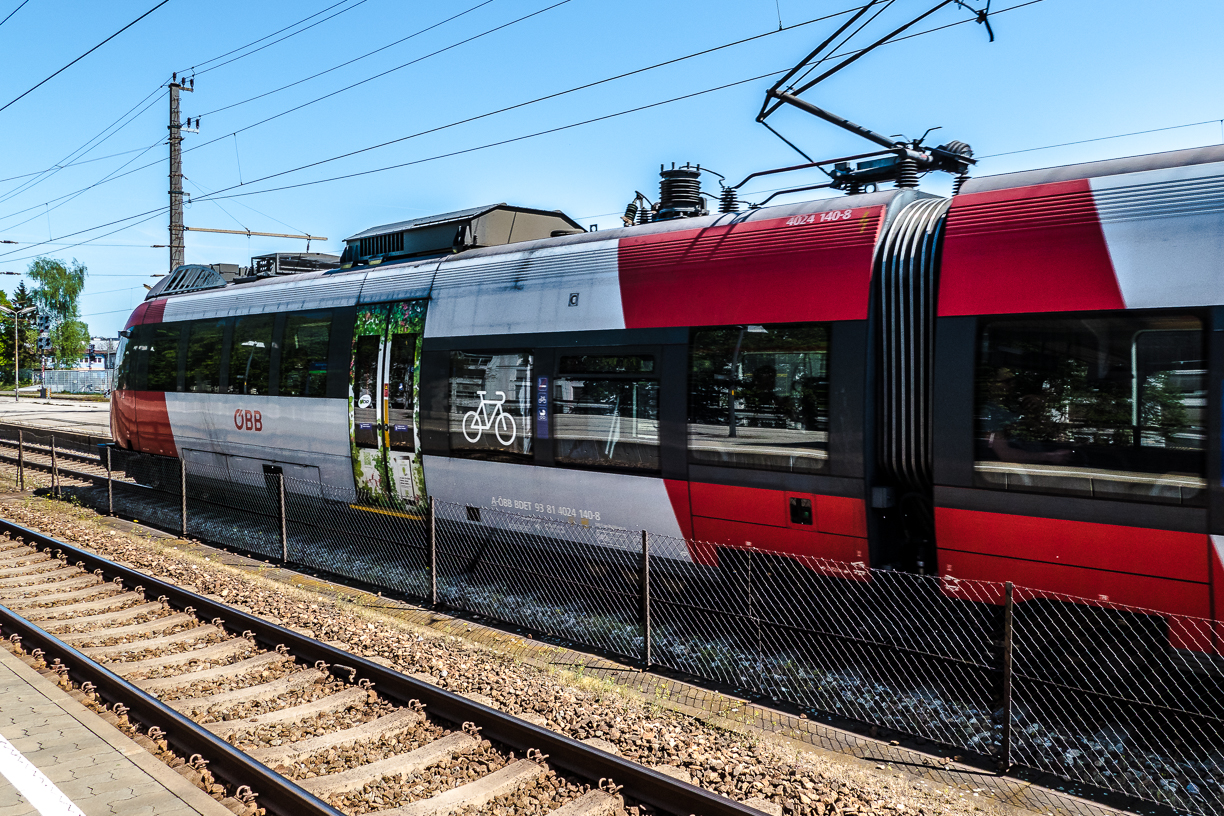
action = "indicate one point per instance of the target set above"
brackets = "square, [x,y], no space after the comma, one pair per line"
[177,250]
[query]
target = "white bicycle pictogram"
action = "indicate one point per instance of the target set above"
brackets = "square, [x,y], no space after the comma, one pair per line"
[480,420]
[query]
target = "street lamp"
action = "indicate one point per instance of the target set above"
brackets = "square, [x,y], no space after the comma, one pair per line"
[16,314]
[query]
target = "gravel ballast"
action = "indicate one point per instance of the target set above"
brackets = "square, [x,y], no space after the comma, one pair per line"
[741,764]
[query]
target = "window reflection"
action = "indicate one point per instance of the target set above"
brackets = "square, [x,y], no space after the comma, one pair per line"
[399,391]
[365,390]
[304,356]
[1104,407]
[608,417]
[490,404]
[204,356]
[164,357]
[759,397]
[251,355]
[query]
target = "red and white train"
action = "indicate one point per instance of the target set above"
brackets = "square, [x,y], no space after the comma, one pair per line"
[1022,382]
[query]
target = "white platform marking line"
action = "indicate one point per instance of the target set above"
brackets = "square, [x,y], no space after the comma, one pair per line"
[33,784]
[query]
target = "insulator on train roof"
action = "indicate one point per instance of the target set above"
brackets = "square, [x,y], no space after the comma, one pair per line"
[908,177]
[680,193]
[630,216]
[728,200]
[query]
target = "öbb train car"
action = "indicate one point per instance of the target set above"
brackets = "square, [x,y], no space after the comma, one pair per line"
[1018,383]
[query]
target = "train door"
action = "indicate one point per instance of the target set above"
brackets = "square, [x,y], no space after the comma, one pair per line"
[383,402]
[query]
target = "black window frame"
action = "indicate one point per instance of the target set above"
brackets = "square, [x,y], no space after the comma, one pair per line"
[273,358]
[284,352]
[169,329]
[222,352]
[561,354]
[829,394]
[528,457]
[969,453]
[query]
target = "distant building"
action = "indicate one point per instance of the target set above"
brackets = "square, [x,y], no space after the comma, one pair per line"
[100,354]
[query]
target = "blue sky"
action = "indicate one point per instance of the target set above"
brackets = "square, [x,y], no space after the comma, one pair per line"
[1059,71]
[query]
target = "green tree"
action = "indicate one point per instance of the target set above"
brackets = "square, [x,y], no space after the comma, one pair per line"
[58,292]
[22,298]
[69,341]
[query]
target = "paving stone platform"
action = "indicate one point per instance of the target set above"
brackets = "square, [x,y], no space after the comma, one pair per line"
[88,767]
[57,415]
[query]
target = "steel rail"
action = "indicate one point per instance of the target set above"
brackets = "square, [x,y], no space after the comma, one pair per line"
[45,450]
[640,783]
[278,794]
[80,475]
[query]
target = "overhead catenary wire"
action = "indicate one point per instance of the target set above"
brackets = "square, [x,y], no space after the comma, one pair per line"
[244,205]
[150,213]
[198,68]
[26,93]
[62,164]
[230,215]
[574,89]
[349,62]
[381,74]
[1106,138]
[477,148]
[14,11]
[83,150]
[468,150]
[73,164]
[537,133]
[306,104]
[277,42]
[64,199]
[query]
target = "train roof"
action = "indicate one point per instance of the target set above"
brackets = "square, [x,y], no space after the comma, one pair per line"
[1096,169]
[820,251]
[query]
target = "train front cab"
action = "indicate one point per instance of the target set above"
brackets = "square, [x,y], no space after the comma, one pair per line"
[1077,392]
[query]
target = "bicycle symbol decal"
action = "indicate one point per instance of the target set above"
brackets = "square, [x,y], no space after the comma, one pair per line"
[477,421]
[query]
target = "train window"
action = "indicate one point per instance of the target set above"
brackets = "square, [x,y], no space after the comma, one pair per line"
[365,390]
[163,356]
[204,356]
[125,357]
[399,391]
[1103,407]
[759,397]
[490,404]
[606,413]
[303,368]
[251,355]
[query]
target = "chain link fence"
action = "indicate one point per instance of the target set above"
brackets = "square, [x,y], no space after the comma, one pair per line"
[1089,691]
[72,381]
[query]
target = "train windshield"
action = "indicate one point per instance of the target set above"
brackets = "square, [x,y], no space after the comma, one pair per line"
[121,360]
[1109,407]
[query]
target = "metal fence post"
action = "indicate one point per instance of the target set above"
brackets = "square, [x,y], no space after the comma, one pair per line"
[1005,750]
[183,493]
[55,491]
[284,527]
[645,598]
[110,485]
[432,533]
[21,460]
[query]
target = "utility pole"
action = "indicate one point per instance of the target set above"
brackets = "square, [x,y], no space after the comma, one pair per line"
[177,250]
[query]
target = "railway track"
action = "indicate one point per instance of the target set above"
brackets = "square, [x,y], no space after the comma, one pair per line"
[65,462]
[308,727]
